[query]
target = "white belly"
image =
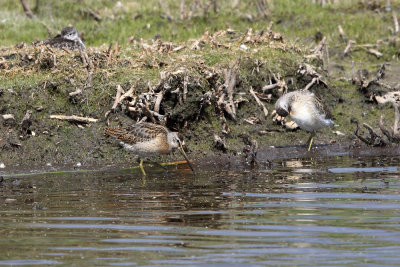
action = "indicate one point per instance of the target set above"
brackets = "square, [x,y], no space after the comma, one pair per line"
[308,118]
[145,149]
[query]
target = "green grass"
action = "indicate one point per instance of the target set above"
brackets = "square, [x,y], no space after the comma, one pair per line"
[145,19]
[297,21]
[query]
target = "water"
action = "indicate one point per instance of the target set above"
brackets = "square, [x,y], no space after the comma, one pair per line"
[326,212]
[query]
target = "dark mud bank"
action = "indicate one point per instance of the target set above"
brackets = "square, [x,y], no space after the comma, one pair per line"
[267,157]
[222,106]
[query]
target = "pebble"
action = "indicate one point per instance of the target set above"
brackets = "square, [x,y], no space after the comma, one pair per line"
[244,47]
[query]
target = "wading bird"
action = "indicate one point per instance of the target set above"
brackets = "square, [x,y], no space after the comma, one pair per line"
[69,39]
[306,110]
[148,139]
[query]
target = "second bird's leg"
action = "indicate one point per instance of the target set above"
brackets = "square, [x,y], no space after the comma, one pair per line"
[141,167]
[158,165]
[310,141]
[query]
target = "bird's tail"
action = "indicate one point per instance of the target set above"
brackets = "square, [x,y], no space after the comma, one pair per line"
[329,122]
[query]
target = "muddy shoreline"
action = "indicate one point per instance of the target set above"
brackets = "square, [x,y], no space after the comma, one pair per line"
[265,158]
[221,108]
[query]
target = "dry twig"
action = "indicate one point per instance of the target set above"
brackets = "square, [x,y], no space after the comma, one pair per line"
[27,9]
[74,119]
[265,110]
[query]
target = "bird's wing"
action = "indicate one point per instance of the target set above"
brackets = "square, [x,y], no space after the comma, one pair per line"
[60,42]
[323,109]
[137,133]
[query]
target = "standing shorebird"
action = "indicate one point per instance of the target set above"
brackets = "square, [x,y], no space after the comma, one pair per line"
[69,39]
[306,110]
[148,139]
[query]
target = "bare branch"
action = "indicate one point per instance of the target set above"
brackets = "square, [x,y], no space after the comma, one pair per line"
[27,9]
[265,110]
[395,23]
[74,119]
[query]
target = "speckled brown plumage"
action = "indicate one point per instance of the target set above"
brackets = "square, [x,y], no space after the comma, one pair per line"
[68,39]
[147,139]
[140,132]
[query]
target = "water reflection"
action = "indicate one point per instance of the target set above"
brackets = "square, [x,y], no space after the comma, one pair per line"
[309,212]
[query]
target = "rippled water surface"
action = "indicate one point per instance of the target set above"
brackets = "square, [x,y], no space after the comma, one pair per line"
[327,212]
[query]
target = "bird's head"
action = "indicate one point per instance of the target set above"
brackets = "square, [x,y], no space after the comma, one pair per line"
[282,106]
[175,140]
[70,33]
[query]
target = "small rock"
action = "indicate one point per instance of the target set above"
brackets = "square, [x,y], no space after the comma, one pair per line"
[244,47]
[339,133]
[291,125]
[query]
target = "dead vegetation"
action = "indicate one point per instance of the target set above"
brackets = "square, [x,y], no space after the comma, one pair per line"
[386,137]
[188,90]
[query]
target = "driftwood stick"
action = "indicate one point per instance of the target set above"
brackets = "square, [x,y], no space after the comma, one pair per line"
[89,66]
[129,93]
[395,129]
[182,10]
[219,143]
[153,113]
[159,98]
[27,9]
[165,8]
[75,93]
[327,61]
[270,87]
[395,23]
[308,86]
[74,119]
[320,46]
[384,130]
[117,100]
[375,52]
[371,131]
[230,83]
[185,86]
[350,43]
[342,34]
[365,140]
[146,111]
[265,110]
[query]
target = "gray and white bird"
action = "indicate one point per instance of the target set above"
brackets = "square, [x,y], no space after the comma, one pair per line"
[69,39]
[306,110]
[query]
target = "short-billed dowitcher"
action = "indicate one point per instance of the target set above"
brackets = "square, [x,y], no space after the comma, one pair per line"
[69,39]
[148,139]
[306,110]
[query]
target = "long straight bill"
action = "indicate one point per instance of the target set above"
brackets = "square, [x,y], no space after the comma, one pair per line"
[186,158]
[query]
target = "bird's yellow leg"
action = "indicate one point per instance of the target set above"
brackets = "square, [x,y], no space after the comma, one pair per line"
[309,146]
[141,167]
[310,141]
